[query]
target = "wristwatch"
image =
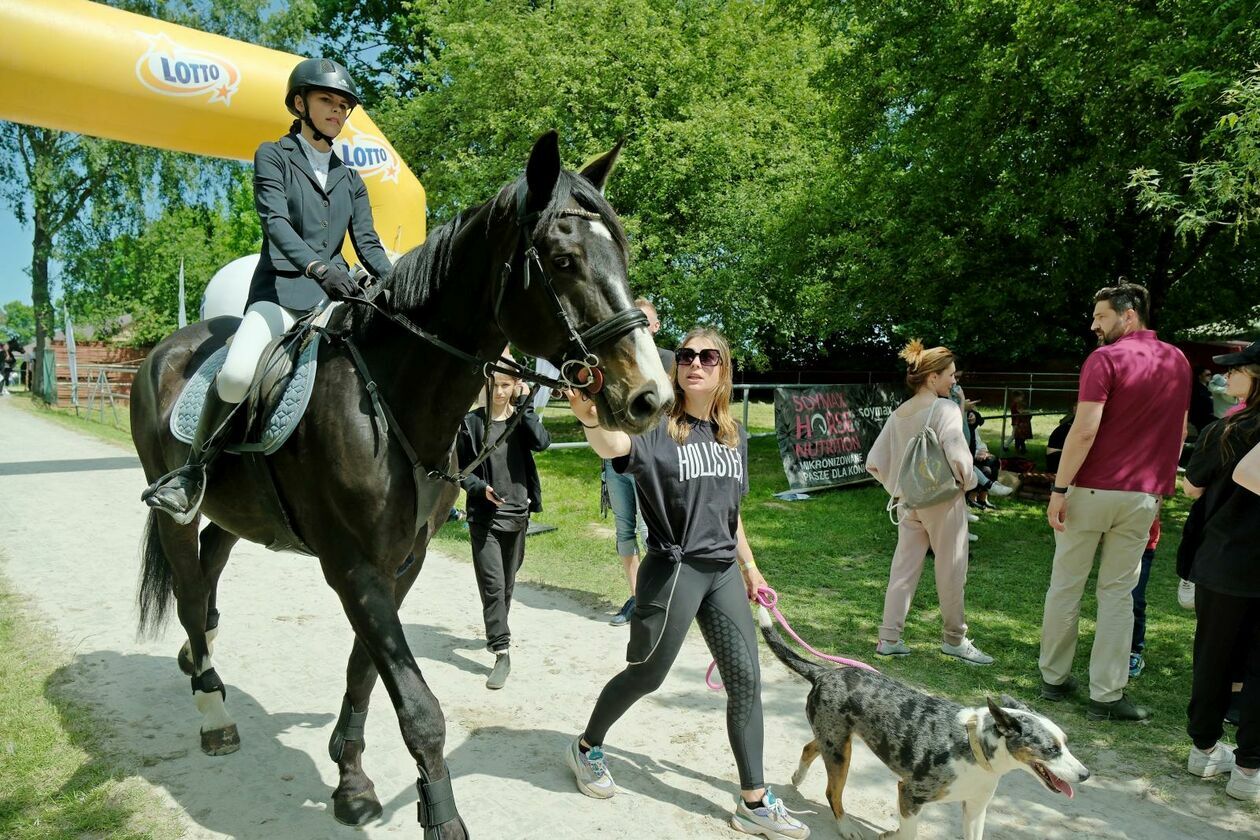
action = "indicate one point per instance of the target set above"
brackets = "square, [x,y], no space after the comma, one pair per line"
[1059,490]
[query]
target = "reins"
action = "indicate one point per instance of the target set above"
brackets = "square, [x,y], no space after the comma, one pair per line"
[579,370]
[769,599]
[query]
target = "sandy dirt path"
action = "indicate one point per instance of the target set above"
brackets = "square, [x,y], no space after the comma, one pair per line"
[68,537]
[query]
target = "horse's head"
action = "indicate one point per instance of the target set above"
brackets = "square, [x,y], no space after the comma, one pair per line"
[567,298]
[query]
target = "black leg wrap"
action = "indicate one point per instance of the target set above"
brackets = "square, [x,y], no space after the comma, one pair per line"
[209,681]
[349,728]
[212,620]
[437,802]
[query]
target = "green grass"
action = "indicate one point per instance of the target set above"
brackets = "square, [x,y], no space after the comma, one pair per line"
[56,779]
[828,558]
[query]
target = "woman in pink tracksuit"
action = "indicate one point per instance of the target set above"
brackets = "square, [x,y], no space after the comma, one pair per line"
[941,527]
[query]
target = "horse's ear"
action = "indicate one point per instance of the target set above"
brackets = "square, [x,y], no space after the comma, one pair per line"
[598,170]
[543,170]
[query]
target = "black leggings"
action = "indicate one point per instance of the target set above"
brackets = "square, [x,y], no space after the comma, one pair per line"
[1227,635]
[713,594]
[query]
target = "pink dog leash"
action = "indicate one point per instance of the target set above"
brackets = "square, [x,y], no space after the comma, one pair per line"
[768,598]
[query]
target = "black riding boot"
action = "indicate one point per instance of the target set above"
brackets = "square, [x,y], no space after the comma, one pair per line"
[180,491]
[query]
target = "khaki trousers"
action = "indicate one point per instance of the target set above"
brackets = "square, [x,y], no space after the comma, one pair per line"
[943,528]
[1121,521]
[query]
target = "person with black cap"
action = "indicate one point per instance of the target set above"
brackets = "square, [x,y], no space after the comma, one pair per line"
[1219,552]
[307,200]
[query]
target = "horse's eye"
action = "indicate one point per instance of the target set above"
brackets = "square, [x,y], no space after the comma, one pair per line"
[563,261]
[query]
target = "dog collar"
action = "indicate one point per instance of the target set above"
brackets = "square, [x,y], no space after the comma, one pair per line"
[973,735]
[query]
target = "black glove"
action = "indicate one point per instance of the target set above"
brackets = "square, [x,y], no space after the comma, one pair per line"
[335,282]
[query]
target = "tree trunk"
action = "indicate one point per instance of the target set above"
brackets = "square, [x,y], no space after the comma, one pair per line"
[41,300]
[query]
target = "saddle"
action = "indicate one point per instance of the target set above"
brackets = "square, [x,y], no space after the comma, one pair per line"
[277,400]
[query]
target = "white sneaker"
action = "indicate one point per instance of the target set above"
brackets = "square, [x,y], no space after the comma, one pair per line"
[772,820]
[590,771]
[1220,759]
[1185,594]
[897,648]
[998,489]
[1243,786]
[967,652]
[971,517]
[972,538]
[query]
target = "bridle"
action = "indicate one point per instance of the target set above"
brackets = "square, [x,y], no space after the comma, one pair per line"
[579,369]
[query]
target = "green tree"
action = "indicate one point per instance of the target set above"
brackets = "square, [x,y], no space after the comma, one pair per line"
[17,320]
[136,274]
[982,153]
[713,98]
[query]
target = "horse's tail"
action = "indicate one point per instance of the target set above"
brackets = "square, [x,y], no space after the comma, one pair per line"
[156,579]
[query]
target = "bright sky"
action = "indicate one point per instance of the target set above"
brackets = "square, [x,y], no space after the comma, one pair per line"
[15,244]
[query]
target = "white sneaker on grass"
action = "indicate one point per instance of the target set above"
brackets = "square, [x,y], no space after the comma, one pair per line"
[972,538]
[771,819]
[1219,759]
[1243,786]
[1185,594]
[998,489]
[897,648]
[590,771]
[967,651]
[971,517]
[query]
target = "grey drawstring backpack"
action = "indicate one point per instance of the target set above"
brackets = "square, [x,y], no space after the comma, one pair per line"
[926,477]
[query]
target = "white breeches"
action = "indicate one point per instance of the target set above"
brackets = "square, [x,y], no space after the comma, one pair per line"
[263,321]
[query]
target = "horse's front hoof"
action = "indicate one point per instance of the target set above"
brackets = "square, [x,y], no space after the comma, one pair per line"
[357,810]
[223,741]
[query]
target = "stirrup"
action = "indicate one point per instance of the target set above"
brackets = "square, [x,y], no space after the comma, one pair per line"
[182,517]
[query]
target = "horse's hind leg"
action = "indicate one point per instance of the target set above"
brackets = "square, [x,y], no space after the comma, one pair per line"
[216,545]
[192,597]
[354,800]
[369,597]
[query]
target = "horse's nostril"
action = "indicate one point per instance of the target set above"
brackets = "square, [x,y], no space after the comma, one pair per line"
[644,404]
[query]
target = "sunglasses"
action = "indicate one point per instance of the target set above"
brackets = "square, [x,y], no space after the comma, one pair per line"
[708,358]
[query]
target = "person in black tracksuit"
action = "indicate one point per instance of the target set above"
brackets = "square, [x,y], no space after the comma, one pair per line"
[503,491]
[690,472]
[1220,553]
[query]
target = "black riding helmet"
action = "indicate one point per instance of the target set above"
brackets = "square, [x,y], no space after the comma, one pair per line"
[319,73]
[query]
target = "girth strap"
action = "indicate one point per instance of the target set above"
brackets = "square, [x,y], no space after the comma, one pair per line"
[436,805]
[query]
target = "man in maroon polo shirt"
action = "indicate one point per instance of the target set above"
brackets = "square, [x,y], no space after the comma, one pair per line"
[1118,460]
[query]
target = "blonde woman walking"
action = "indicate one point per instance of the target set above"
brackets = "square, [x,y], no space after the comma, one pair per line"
[941,527]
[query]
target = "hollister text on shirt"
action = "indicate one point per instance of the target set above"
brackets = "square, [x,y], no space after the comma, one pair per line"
[709,458]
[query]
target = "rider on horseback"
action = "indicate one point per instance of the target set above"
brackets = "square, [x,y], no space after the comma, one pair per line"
[307,200]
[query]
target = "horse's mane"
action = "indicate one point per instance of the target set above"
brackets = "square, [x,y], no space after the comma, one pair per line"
[420,272]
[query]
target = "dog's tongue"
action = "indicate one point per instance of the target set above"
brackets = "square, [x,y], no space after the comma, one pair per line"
[1063,787]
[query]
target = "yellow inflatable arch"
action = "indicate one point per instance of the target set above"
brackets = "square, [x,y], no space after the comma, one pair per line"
[79,66]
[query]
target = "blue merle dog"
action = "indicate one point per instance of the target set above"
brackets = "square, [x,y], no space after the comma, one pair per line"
[943,752]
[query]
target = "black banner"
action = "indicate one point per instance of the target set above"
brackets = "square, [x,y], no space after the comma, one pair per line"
[825,431]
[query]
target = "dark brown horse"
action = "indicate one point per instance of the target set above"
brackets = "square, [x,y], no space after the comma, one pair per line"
[351,492]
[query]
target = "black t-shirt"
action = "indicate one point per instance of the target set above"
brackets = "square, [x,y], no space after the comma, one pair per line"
[689,494]
[509,472]
[1056,440]
[1228,555]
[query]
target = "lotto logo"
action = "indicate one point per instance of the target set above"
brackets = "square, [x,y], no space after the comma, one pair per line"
[368,155]
[172,70]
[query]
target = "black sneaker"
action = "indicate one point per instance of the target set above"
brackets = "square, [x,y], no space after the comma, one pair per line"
[1122,709]
[1062,691]
[622,617]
